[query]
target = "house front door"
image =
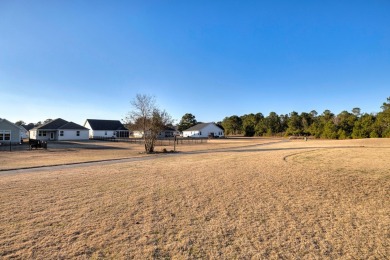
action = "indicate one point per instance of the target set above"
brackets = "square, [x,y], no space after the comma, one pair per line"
[51,136]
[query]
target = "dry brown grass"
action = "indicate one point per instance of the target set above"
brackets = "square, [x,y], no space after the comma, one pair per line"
[315,199]
[76,152]
[68,152]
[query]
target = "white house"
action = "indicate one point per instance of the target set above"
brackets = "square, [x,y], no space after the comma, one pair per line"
[99,128]
[23,132]
[204,130]
[9,132]
[166,133]
[59,130]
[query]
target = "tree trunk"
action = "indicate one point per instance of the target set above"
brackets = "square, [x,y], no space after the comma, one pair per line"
[149,144]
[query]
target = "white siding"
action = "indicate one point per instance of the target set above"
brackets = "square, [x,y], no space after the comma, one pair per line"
[87,125]
[72,135]
[138,134]
[99,133]
[102,133]
[205,132]
[191,134]
[33,134]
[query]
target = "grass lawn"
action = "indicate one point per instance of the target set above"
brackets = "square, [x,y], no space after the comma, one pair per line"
[242,198]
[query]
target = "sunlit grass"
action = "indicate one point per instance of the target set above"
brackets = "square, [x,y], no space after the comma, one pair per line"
[321,201]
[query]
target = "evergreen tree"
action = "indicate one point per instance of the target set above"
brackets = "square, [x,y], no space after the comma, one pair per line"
[345,122]
[273,124]
[383,119]
[249,123]
[187,121]
[294,124]
[363,127]
[232,125]
[330,130]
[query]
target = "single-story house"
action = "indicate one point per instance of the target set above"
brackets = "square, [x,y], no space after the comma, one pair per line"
[23,132]
[204,130]
[59,130]
[166,133]
[9,132]
[99,128]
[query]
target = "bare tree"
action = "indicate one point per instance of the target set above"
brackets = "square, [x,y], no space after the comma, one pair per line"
[148,118]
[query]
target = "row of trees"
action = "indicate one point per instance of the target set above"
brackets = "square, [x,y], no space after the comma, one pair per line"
[31,125]
[146,116]
[327,125]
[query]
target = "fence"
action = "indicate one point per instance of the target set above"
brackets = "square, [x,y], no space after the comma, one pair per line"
[181,140]
[9,147]
[159,142]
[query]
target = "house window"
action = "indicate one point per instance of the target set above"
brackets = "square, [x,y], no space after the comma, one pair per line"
[105,133]
[43,133]
[200,132]
[5,135]
[78,133]
[39,133]
[61,133]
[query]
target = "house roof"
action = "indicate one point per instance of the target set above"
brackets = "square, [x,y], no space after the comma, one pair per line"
[60,123]
[72,126]
[167,128]
[52,125]
[28,127]
[199,127]
[100,124]
[3,120]
[22,128]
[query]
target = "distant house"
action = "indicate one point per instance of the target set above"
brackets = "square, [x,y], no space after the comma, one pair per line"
[166,133]
[28,127]
[138,134]
[99,128]
[9,132]
[204,130]
[58,130]
[23,132]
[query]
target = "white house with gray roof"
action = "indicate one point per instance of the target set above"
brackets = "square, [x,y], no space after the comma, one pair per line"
[101,128]
[59,130]
[204,130]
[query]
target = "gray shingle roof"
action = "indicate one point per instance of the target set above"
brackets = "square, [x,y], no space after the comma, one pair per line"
[52,125]
[100,124]
[200,127]
[28,127]
[72,126]
[60,123]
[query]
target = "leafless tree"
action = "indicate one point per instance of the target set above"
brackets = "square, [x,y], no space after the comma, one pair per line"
[148,118]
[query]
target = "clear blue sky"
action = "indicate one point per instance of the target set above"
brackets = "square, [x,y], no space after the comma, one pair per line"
[88,59]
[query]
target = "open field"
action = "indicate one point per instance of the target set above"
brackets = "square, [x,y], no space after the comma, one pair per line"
[75,152]
[246,198]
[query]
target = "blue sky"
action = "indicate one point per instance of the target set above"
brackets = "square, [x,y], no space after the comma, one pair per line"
[88,59]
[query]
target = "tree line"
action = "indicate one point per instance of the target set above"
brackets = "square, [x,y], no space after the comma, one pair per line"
[327,125]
